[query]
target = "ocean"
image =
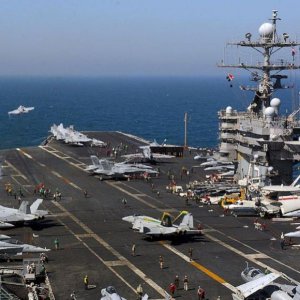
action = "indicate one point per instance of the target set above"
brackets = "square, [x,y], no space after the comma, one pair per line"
[152,108]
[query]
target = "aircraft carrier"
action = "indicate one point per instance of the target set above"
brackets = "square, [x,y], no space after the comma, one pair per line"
[94,241]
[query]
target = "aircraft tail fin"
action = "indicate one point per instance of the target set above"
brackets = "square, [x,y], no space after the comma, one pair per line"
[35,205]
[296,182]
[179,219]
[188,221]
[166,220]
[147,152]
[106,165]
[24,207]
[95,160]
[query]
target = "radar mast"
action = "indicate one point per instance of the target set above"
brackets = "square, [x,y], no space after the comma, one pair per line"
[269,43]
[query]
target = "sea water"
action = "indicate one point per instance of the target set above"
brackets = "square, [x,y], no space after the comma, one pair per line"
[152,108]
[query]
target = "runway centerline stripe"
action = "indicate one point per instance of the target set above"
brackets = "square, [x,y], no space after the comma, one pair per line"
[200,267]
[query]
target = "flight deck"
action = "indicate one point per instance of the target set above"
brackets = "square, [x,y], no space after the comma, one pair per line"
[94,241]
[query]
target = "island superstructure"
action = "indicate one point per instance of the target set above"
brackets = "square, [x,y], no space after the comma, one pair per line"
[264,144]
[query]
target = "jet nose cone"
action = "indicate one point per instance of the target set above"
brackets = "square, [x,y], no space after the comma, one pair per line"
[129,219]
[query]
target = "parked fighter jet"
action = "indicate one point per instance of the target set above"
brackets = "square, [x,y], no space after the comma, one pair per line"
[110,293]
[70,136]
[220,167]
[110,169]
[148,155]
[20,110]
[9,246]
[243,208]
[24,213]
[258,282]
[165,226]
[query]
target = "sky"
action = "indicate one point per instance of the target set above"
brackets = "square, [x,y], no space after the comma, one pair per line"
[129,37]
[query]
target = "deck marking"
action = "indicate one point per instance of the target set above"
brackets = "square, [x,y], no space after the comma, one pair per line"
[80,165]
[75,186]
[56,174]
[257,255]
[52,171]
[200,267]
[130,194]
[253,259]
[112,250]
[211,229]
[99,258]
[24,153]
[16,170]
[209,236]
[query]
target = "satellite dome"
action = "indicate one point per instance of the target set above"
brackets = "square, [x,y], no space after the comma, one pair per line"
[269,111]
[266,30]
[275,102]
[228,110]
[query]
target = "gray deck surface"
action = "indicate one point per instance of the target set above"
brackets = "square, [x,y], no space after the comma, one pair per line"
[95,241]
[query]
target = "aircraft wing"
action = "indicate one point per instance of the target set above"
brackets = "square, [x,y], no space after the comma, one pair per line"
[155,230]
[90,168]
[40,213]
[14,112]
[117,297]
[16,217]
[4,225]
[158,156]
[145,222]
[27,109]
[10,250]
[293,234]
[104,172]
[134,155]
[253,286]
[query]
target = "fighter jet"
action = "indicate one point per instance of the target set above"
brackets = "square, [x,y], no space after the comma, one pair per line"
[220,168]
[258,283]
[110,293]
[20,110]
[23,214]
[166,226]
[70,136]
[110,169]
[9,246]
[147,155]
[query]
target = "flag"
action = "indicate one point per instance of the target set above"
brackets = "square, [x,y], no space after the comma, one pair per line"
[229,77]
[293,51]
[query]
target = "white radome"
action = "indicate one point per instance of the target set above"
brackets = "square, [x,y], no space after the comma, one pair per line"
[275,102]
[228,110]
[270,111]
[266,30]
